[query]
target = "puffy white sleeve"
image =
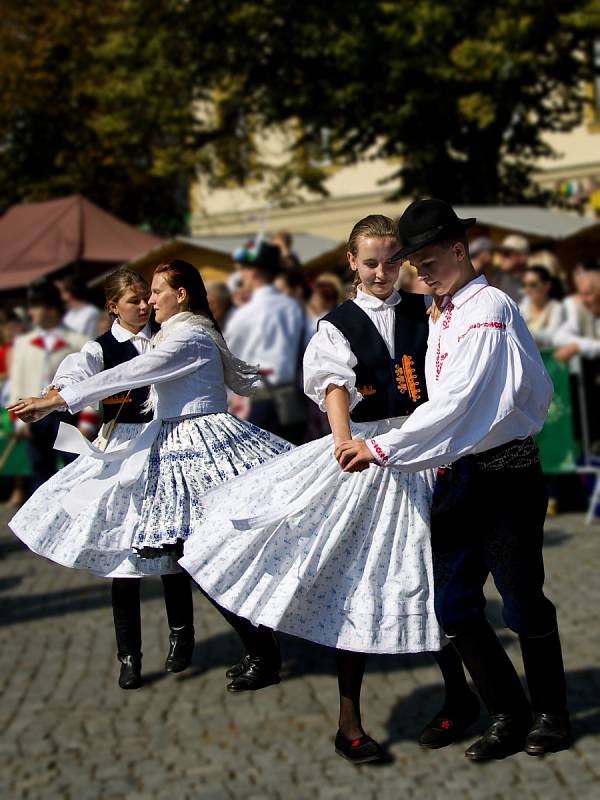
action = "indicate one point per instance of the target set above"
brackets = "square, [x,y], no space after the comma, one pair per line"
[76,367]
[487,384]
[183,353]
[328,360]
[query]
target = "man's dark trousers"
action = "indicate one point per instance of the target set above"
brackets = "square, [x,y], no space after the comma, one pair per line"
[491,521]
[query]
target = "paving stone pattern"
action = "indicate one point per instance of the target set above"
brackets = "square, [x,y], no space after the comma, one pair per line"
[69,733]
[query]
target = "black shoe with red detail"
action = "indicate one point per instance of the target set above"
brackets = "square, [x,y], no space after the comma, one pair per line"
[449,725]
[359,751]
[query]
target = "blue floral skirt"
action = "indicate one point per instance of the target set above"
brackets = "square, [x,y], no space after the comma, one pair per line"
[114,535]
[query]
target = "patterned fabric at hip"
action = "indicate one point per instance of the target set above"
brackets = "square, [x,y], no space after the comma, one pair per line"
[517,454]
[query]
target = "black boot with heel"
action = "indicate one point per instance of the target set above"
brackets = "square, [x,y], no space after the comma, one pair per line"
[180,614]
[544,670]
[500,689]
[128,630]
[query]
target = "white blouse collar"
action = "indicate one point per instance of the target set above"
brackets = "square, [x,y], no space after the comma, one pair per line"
[470,290]
[123,335]
[368,301]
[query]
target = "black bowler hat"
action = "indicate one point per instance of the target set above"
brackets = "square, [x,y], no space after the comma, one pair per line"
[425,222]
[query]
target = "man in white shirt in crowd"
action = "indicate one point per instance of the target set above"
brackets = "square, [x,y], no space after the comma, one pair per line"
[81,316]
[268,330]
[35,358]
[488,394]
[514,251]
[581,335]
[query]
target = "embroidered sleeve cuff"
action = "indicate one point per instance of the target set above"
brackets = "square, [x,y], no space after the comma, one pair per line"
[378,453]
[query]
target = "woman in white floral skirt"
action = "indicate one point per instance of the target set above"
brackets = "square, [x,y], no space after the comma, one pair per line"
[135,502]
[341,559]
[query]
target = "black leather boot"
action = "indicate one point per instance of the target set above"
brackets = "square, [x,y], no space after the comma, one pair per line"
[130,676]
[177,590]
[128,630]
[504,737]
[263,663]
[499,687]
[238,668]
[550,733]
[542,659]
[181,649]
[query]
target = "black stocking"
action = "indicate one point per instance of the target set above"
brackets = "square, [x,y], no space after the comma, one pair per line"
[126,614]
[350,670]
[455,681]
[257,639]
[178,601]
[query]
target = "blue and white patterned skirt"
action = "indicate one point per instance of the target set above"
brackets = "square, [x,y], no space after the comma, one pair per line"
[341,559]
[189,456]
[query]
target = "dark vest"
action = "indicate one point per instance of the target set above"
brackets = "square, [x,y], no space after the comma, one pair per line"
[391,387]
[129,410]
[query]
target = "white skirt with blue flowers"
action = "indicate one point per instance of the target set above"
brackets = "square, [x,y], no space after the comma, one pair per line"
[121,533]
[341,559]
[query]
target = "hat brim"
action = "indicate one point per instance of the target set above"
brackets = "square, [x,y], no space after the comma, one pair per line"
[430,237]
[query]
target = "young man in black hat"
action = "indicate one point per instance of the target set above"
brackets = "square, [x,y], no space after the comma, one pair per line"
[488,394]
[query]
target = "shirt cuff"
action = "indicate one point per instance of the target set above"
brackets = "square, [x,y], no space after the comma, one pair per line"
[72,401]
[319,393]
[378,453]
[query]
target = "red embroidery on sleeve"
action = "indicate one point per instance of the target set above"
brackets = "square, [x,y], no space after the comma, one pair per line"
[500,326]
[382,456]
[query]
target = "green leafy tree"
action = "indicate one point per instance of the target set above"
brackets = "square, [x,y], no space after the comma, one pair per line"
[102,99]
[127,101]
[460,93]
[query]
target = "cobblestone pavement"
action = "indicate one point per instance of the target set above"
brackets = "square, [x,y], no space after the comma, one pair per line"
[69,732]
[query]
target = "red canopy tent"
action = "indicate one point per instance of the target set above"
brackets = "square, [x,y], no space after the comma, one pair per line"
[40,238]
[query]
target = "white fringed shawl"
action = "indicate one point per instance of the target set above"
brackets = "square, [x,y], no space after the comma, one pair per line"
[240,377]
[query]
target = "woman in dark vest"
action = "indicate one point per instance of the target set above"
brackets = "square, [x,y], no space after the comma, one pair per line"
[343,560]
[127,296]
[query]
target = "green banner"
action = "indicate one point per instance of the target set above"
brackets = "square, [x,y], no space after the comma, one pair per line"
[558,448]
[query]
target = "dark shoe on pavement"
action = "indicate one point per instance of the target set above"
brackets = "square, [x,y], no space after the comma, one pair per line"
[238,668]
[130,676]
[181,650]
[259,673]
[549,734]
[450,724]
[358,751]
[504,737]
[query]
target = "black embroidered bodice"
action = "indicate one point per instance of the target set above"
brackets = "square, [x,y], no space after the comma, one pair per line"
[390,387]
[128,407]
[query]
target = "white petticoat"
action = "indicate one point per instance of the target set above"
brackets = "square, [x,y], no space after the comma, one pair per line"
[189,456]
[340,559]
